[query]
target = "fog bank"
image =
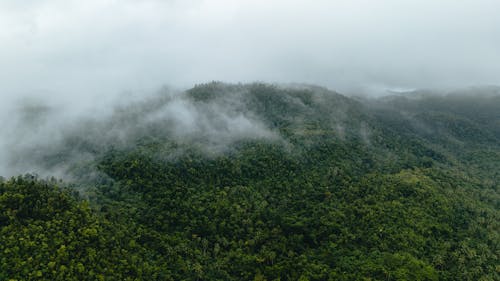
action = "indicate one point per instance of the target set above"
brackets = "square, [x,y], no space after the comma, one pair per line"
[82,52]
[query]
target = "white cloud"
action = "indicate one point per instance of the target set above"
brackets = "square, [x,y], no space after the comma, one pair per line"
[82,50]
[82,54]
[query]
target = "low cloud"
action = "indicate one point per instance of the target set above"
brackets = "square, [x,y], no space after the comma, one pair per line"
[82,51]
[48,140]
[62,59]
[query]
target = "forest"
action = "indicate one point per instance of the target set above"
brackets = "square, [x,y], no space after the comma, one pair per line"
[261,182]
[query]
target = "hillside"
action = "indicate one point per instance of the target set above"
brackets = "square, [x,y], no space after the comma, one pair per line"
[261,182]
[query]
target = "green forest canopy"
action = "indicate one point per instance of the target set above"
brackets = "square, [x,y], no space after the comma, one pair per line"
[398,188]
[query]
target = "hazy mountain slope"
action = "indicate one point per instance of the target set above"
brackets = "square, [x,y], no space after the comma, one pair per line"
[263,182]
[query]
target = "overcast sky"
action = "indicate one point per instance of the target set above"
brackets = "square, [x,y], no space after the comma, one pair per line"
[76,50]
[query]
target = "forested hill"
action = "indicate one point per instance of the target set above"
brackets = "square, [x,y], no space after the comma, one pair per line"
[260,182]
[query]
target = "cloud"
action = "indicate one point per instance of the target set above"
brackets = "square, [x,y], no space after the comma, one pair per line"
[80,51]
[82,56]
[49,140]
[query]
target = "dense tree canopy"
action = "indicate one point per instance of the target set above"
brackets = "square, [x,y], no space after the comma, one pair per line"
[393,189]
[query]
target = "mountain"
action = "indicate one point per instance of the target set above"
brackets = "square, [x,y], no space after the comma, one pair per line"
[262,182]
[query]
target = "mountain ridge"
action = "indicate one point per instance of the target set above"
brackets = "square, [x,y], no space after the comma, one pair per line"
[262,182]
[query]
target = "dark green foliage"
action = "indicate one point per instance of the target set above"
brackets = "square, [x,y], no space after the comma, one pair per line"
[47,233]
[398,190]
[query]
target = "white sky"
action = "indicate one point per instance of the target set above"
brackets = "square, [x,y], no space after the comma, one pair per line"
[81,51]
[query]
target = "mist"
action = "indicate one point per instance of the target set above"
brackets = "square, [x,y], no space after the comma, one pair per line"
[81,52]
[50,140]
[67,67]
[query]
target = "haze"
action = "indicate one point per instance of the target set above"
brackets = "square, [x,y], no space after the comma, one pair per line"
[83,51]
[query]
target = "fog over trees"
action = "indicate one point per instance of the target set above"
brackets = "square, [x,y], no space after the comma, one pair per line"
[249,140]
